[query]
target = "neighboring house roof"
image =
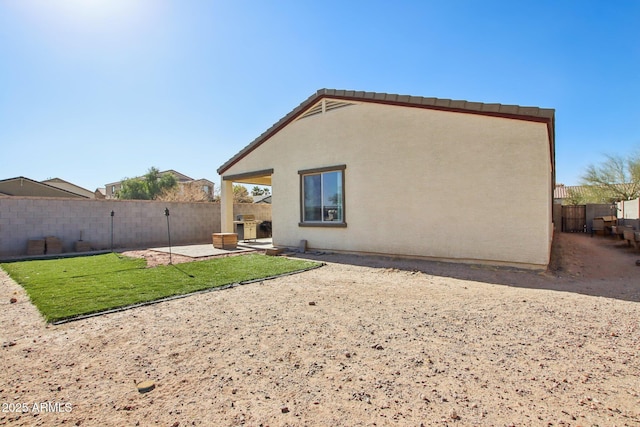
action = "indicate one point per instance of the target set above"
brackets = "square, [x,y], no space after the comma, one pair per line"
[313,105]
[179,176]
[21,186]
[265,198]
[562,191]
[66,185]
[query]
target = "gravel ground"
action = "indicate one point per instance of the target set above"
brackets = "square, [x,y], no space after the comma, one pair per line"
[360,341]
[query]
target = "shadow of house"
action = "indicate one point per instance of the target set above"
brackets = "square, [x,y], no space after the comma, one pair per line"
[568,271]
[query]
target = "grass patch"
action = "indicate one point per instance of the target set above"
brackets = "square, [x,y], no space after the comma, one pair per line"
[70,287]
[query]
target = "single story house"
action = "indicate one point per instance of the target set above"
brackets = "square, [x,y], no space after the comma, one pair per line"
[24,187]
[378,173]
[69,186]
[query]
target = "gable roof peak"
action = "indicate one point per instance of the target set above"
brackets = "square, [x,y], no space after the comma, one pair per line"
[544,115]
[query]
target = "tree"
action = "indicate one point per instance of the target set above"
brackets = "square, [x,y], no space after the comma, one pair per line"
[217,191]
[260,191]
[187,192]
[241,194]
[148,187]
[615,179]
[575,197]
[133,189]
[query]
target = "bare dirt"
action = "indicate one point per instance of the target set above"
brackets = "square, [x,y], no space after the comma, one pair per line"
[360,341]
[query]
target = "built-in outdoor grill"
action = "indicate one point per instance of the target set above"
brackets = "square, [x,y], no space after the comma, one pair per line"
[246,227]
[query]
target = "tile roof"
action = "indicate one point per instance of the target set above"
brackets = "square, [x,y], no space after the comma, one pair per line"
[545,115]
[562,191]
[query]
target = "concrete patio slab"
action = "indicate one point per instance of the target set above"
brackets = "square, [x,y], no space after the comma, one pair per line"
[198,251]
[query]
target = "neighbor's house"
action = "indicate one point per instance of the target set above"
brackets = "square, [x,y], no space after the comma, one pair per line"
[264,198]
[66,185]
[111,190]
[25,187]
[406,176]
[562,194]
[571,194]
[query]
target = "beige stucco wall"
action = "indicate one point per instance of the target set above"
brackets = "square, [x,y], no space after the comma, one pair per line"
[418,182]
[629,209]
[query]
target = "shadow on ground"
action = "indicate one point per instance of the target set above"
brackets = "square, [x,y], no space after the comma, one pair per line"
[596,266]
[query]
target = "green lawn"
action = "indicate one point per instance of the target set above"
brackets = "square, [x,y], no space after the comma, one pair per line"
[70,287]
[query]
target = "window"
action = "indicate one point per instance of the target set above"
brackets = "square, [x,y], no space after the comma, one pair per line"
[322,197]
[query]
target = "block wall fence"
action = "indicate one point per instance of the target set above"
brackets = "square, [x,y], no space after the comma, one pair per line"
[136,223]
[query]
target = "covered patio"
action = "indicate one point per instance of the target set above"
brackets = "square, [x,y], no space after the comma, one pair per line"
[261,177]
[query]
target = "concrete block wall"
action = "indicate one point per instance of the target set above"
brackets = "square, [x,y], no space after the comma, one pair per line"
[262,211]
[136,223]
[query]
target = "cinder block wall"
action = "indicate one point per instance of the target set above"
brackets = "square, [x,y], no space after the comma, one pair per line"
[136,224]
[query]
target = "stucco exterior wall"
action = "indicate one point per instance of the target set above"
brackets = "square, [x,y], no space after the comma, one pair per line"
[629,209]
[418,182]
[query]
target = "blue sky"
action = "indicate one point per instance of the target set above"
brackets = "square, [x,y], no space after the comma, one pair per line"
[92,91]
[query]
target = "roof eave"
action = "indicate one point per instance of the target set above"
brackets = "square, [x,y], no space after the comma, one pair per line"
[542,115]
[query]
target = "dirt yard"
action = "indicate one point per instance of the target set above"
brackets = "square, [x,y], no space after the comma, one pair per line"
[360,341]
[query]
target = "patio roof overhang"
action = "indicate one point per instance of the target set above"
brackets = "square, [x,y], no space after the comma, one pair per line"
[261,177]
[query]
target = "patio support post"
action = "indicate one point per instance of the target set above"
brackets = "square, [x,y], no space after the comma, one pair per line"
[226,206]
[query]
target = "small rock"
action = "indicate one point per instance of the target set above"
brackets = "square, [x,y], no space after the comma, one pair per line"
[377,347]
[454,415]
[347,355]
[13,300]
[146,386]
[312,303]
[8,344]
[176,424]
[284,409]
